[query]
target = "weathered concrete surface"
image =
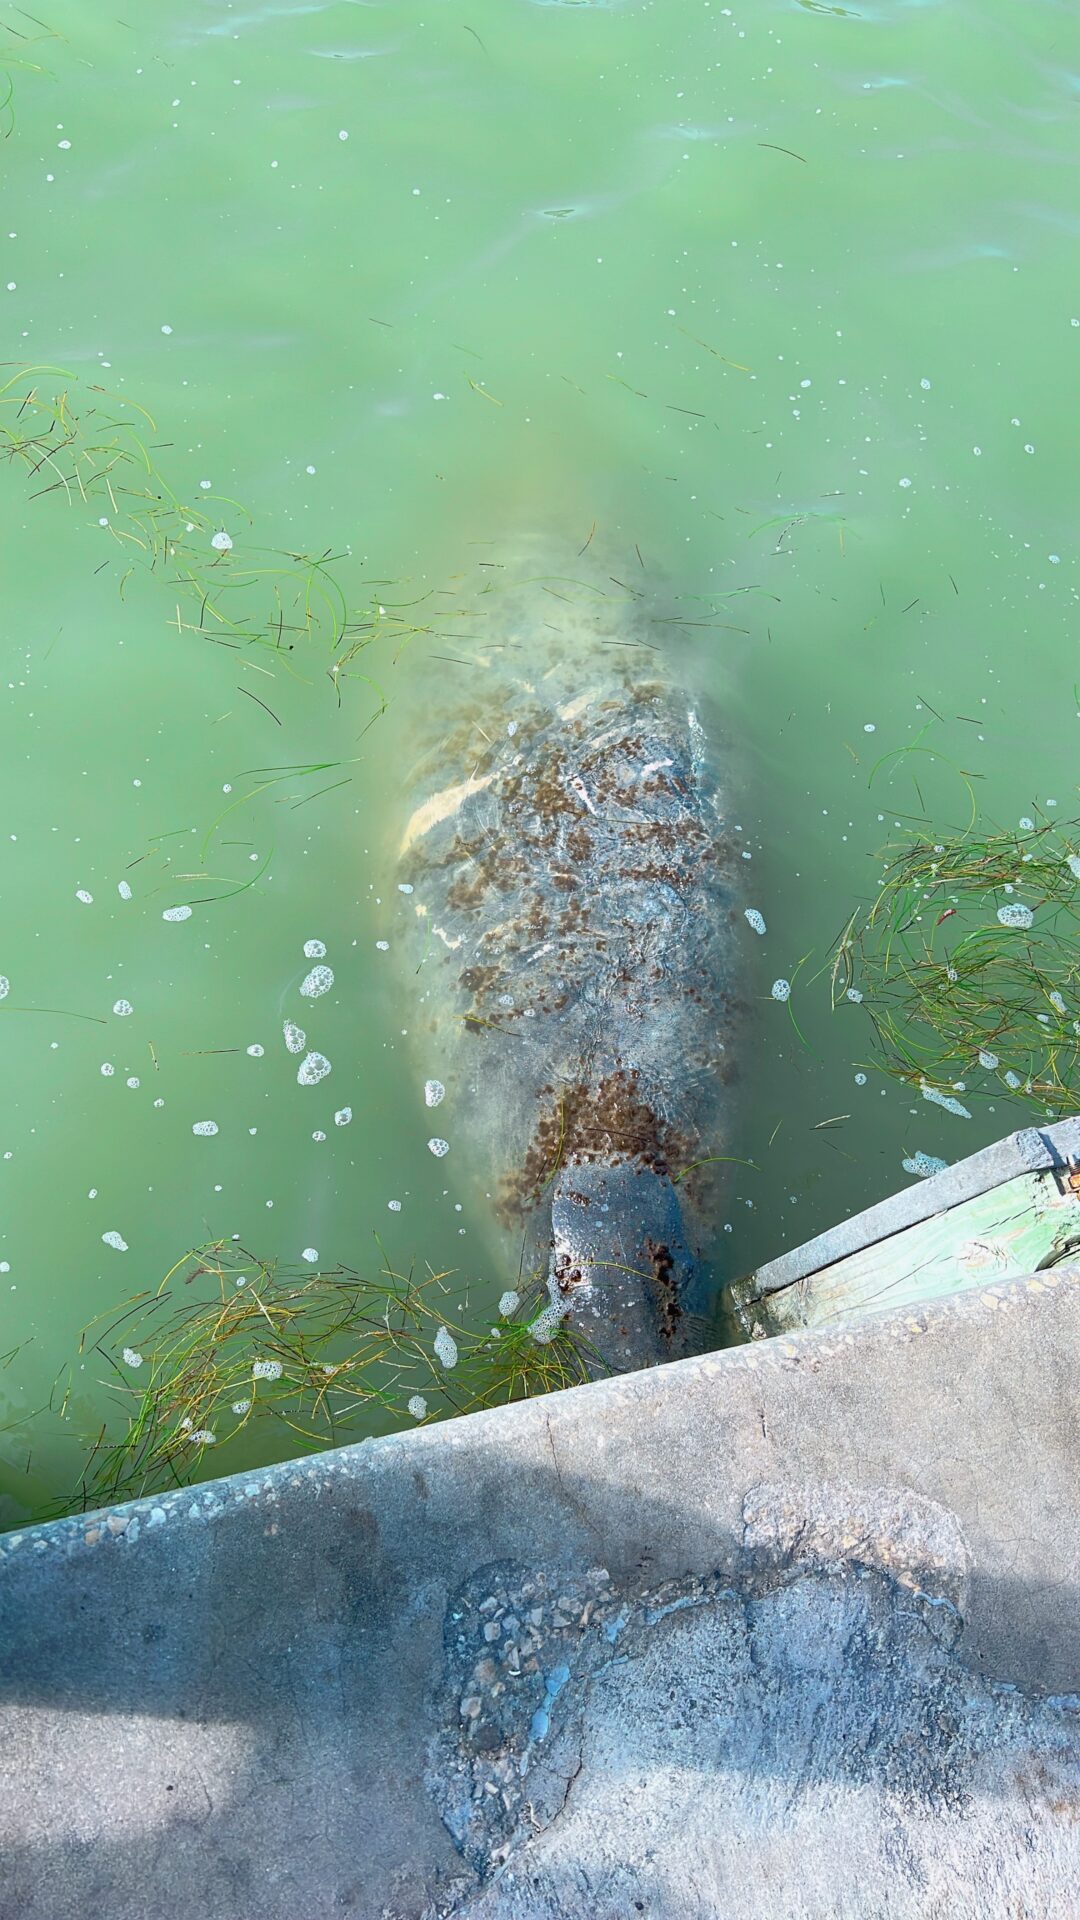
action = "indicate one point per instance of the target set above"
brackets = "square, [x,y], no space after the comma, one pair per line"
[806,1646]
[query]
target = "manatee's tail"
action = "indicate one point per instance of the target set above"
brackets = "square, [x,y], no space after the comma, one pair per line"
[622,1273]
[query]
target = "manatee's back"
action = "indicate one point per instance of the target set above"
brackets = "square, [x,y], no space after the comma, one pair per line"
[573,897]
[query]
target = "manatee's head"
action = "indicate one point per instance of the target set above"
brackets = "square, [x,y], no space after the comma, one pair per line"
[621,1267]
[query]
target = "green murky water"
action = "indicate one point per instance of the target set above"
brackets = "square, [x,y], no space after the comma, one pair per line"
[783,297]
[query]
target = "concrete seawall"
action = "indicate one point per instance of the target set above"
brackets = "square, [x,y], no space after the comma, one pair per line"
[791,1629]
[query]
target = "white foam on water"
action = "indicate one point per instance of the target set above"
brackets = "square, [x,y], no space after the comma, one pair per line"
[781,989]
[86,898]
[256,1051]
[1014,915]
[123,890]
[988,1060]
[314,950]
[114,1239]
[417,1406]
[547,1324]
[122,1008]
[295,1037]
[754,919]
[131,1358]
[434,1092]
[312,1069]
[509,1302]
[205,1128]
[311,1254]
[5,986]
[319,981]
[438,1147]
[177,913]
[446,1348]
[342,1116]
[266,1370]
[945,1101]
[924,1165]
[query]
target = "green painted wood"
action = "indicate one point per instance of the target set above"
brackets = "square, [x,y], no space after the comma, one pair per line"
[1024,1224]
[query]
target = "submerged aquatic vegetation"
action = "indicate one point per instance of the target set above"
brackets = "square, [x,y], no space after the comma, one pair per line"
[15,59]
[230,1342]
[96,450]
[968,963]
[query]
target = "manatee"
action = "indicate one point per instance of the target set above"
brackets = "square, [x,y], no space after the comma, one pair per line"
[572,906]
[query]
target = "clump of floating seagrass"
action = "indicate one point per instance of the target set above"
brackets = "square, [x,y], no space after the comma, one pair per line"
[97,451]
[234,1360]
[968,966]
[12,63]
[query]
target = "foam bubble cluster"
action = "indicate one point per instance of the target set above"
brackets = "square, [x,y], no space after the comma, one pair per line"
[924,1165]
[547,1324]
[319,981]
[313,1068]
[434,1091]
[446,1348]
[1014,915]
[945,1101]
[754,919]
[438,1148]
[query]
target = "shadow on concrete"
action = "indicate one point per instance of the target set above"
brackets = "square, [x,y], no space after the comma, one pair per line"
[231,1714]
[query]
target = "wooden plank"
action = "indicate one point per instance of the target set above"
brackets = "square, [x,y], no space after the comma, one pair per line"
[1024,1224]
